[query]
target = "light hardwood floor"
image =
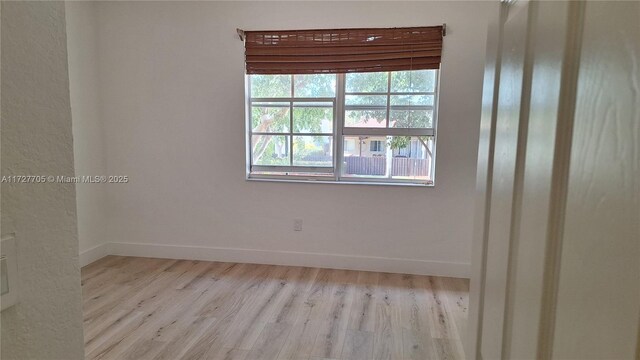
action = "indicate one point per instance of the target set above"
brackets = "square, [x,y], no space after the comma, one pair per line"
[144,308]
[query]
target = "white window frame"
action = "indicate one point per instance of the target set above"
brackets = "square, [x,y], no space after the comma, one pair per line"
[320,174]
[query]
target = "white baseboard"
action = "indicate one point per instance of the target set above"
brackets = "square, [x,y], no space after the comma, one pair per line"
[331,261]
[93,254]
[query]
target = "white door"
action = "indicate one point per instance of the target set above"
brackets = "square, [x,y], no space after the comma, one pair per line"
[598,277]
[558,235]
[505,165]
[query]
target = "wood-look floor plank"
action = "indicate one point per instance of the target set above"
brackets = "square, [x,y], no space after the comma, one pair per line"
[292,300]
[387,343]
[363,314]
[247,328]
[100,347]
[227,301]
[307,324]
[270,342]
[154,319]
[448,349]
[231,354]
[456,299]
[189,330]
[230,290]
[414,303]
[145,308]
[417,345]
[441,324]
[358,345]
[141,349]
[103,339]
[331,336]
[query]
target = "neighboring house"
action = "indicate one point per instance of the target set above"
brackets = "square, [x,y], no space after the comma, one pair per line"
[365,146]
[375,146]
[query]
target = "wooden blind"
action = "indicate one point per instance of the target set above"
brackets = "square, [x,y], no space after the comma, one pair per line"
[343,50]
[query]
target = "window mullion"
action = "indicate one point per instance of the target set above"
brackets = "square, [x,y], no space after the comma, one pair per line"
[388,153]
[339,125]
[293,95]
[388,97]
[290,134]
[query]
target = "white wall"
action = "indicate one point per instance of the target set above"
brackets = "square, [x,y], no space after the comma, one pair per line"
[46,323]
[88,131]
[172,107]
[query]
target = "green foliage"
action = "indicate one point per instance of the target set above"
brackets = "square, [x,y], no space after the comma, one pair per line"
[367,82]
[310,146]
[400,81]
[307,117]
[413,81]
[373,82]
[412,100]
[412,118]
[270,119]
[317,85]
[310,119]
[400,142]
[353,117]
[270,86]
[264,150]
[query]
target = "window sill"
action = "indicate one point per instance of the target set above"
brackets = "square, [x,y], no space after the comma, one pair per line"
[342,182]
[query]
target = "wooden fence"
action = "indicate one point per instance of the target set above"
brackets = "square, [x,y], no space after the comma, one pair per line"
[356,165]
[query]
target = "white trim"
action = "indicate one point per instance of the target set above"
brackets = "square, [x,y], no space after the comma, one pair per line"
[292,258]
[94,254]
[351,131]
[350,180]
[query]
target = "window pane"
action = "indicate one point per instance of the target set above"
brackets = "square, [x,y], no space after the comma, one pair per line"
[365,118]
[312,151]
[313,118]
[366,82]
[270,117]
[413,81]
[366,158]
[411,157]
[411,119]
[420,100]
[380,100]
[270,86]
[320,85]
[270,150]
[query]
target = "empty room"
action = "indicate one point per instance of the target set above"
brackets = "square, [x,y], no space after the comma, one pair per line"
[320,180]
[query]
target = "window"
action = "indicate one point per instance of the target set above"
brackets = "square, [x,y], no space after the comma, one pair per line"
[292,123]
[375,145]
[343,105]
[354,127]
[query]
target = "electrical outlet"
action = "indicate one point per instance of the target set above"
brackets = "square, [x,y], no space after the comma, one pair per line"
[297,224]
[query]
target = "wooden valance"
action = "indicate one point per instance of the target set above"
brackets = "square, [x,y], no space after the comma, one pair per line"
[342,50]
